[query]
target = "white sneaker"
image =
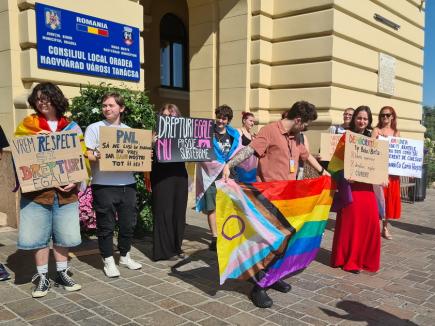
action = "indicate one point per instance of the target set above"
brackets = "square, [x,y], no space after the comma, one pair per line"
[110,268]
[128,262]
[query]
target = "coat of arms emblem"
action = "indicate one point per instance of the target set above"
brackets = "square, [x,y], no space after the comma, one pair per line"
[52,19]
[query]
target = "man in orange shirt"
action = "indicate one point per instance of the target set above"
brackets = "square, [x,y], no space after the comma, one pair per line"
[278,155]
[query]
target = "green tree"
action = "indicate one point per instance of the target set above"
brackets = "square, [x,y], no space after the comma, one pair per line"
[429,121]
[86,109]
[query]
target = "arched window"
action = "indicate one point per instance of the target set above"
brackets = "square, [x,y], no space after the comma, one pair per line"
[173,52]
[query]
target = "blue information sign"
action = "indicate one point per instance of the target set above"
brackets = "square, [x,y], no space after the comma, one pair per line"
[78,43]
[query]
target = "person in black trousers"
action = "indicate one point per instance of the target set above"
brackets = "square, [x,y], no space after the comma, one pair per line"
[169,202]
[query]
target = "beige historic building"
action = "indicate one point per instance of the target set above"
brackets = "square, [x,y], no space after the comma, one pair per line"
[254,55]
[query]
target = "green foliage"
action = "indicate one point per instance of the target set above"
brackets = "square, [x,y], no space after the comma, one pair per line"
[429,144]
[86,109]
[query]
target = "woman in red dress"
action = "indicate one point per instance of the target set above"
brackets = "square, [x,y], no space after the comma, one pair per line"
[357,241]
[387,126]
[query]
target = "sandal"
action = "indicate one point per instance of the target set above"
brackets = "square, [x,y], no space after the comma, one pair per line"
[386,234]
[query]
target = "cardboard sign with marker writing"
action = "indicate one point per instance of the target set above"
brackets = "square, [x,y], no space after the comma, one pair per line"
[365,159]
[48,160]
[328,143]
[125,149]
[184,139]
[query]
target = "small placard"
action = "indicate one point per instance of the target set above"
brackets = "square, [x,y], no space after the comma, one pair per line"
[405,156]
[184,139]
[328,143]
[48,160]
[386,74]
[125,149]
[365,159]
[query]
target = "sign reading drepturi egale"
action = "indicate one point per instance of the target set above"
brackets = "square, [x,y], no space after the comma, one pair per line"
[405,156]
[365,159]
[48,160]
[184,139]
[125,149]
[78,43]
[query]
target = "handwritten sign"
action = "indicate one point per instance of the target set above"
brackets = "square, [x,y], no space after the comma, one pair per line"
[328,143]
[48,160]
[405,156]
[184,139]
[365,159]
[125,149]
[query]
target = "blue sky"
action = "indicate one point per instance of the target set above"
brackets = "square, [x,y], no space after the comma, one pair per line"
[429,55]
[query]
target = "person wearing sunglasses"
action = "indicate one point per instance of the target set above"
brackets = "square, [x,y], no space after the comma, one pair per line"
[347,117]
[387,126]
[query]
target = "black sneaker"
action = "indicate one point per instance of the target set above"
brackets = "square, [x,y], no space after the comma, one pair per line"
[4,275]
[43,286]
[260,298]
[281,286]
[212,245]
[64,280]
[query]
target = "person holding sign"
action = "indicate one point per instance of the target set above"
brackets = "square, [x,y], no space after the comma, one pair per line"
[52,213]
[356,245]
[169,195]
[226,142]
[387,126]
[114,192]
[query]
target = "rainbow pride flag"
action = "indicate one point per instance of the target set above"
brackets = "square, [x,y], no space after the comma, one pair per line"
[273,227]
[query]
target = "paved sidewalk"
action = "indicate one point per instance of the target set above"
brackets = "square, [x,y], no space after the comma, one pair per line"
[402,293]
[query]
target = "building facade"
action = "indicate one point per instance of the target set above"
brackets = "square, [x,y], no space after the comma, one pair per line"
[254,55]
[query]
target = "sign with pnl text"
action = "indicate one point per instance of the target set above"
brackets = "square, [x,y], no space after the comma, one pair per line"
[125,149]
[48,160]
[184,139]
[365,159]
[78,43]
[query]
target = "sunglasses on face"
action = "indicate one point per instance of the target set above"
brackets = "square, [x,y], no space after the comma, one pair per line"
[383,115]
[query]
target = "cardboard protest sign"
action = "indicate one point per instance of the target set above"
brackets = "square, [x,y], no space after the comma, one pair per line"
[405,156]
[328,143]
[48,160]
[125,149]
[184,139]
[365,159]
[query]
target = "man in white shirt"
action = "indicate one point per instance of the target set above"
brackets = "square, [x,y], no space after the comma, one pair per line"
[114,192]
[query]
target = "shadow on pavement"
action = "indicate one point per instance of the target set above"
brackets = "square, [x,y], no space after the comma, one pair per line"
[324,257]
[357,311]
[204,274]
[418,229]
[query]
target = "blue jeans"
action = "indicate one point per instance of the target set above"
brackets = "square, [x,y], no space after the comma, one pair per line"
[41,223]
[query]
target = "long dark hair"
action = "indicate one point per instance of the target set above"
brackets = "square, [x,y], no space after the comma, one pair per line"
[367,131]
[51,93]
[393,122]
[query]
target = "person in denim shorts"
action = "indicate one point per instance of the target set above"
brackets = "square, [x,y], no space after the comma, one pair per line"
[49,214]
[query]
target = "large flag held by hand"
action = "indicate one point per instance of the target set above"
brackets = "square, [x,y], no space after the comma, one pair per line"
[273,227]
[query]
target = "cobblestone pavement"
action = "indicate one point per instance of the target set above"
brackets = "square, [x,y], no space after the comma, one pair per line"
[402,293]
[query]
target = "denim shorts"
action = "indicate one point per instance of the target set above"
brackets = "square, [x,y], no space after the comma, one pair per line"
[41,223]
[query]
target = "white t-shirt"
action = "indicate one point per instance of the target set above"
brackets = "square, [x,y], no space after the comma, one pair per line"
[52,124]
[110,178]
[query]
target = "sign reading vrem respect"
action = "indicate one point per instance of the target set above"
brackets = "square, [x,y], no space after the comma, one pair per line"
[365,159]
[406,157]
[184,139]
[71,41]
[48,160]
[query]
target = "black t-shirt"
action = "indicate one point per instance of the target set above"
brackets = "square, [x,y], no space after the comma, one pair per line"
[3,140]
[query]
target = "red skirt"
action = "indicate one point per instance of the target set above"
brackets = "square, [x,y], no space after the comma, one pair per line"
[357,238]
[393,205]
